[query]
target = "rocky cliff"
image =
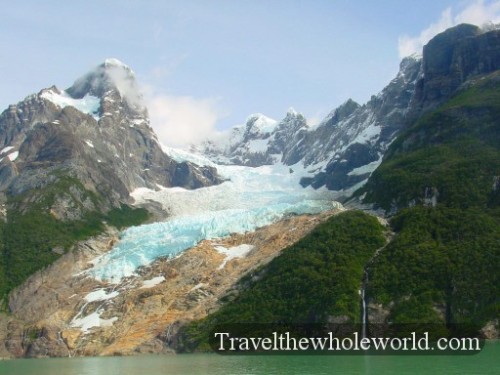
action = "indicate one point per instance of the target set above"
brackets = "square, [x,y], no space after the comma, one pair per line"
[450,59]
[68,163]
[97,131]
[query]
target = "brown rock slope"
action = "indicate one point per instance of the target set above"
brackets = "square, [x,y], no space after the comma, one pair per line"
[62,312]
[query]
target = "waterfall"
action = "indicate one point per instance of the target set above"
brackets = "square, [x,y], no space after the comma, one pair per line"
[61,340]
[364,312]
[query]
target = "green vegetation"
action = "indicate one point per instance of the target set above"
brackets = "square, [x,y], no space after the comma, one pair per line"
[126,216]
[34,237]
[441,179]
[29,241]
[442,265]
[441,259]
[455,150]
[314,279]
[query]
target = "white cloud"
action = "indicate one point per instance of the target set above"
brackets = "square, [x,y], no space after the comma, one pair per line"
[183,120]
[477,12]
[314,120]
[124,80]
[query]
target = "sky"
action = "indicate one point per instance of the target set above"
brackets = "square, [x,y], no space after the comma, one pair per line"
[206,65]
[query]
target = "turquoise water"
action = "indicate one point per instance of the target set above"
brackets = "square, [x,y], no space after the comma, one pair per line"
[486,362]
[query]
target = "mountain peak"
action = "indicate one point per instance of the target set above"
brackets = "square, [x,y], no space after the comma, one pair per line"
[292,115]
[111,75]
[343,111]
[114,62]
[260,123]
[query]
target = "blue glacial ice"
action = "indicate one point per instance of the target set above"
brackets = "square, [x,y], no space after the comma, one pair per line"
[254,197]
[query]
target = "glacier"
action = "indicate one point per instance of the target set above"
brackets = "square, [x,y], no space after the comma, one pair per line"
[250,198]
[89,104]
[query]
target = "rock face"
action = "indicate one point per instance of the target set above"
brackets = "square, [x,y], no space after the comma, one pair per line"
[348,145]
[97,131]
[61,311]
[353,139]
[450,59]
[340,153]
[261,141]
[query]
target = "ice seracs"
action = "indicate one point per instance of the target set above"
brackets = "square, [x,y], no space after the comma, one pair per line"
[249,199]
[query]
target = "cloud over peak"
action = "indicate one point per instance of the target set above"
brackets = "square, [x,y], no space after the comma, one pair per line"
[180,121]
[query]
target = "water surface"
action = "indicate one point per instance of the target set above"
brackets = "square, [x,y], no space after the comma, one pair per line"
[486,362]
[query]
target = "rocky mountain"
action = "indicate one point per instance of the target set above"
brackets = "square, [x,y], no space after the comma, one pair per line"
[258,247]
[97,131]
[439,182]
[59,312]
[340,152]
[450,59]
[435,262]
[348,145]
[68,163]
[261,141]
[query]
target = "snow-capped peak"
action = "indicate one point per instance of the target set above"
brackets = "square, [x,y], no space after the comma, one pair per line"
[111,75]
[260,122]
[292,111]
[113,62]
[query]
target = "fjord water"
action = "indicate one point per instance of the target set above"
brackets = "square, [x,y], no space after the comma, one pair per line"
[486,362]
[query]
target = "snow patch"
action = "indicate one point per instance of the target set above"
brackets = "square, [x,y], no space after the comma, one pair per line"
[115,62]
[368,168]
[263,123]
[88,104]
[258,146]
[231,253]
[196,287]
[100,295]
[372,131]
[138,121]
[13,156]
[6,149]
[92,320]
[152,282]
[90,144]
[181,156]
